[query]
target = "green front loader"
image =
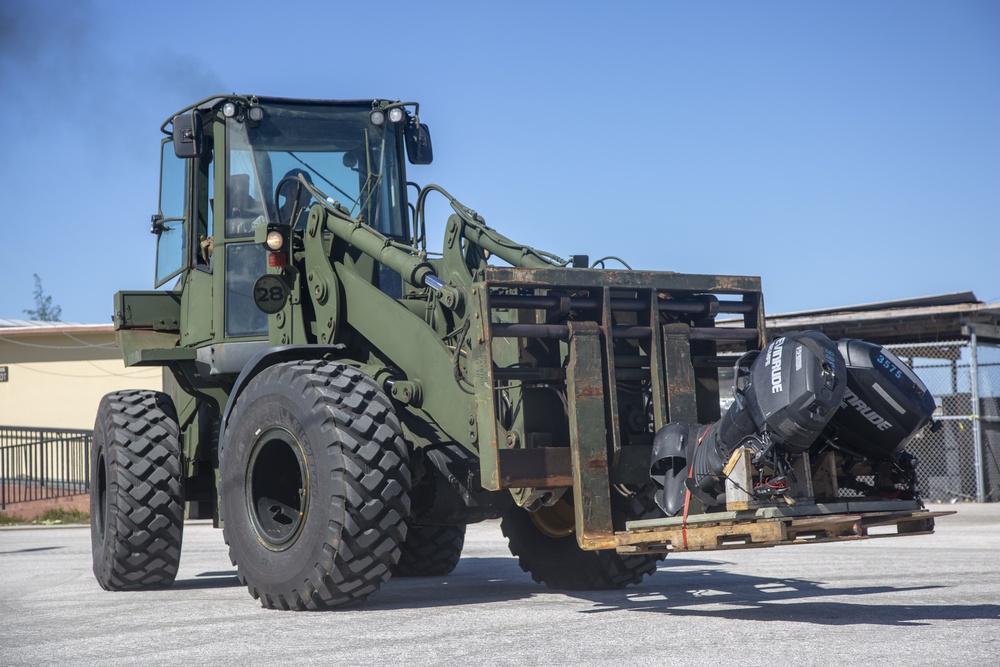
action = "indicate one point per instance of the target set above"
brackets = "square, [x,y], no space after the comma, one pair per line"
[343,400]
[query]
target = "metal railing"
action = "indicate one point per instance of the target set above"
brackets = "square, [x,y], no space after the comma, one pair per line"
[43,463]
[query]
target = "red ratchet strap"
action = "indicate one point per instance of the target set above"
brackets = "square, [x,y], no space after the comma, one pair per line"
[687,496]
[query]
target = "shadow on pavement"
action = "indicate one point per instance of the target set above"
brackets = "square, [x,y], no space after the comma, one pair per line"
[701,589]
[695,588]
[474,581]
[25,551]
[205,580]
[681,587]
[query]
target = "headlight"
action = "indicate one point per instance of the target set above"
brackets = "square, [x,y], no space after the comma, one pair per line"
[275,240]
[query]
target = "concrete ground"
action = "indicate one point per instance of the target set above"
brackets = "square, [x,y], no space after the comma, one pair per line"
[920,600]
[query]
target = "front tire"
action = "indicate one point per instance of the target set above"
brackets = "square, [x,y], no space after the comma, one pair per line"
[314,484]
[136,499]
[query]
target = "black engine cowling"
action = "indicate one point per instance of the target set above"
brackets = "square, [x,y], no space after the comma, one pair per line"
[795,386]
[885,404]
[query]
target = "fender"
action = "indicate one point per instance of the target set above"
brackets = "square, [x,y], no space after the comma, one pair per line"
[265,359]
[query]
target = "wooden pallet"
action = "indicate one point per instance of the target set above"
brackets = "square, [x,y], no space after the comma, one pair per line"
[793,518]
[770,527]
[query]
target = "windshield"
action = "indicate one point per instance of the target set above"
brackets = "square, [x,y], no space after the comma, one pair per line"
[336,148]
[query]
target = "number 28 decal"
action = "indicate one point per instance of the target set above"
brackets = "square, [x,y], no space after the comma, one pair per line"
[270,293]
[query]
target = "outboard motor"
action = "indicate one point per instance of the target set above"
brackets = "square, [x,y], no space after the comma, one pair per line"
[885,404]
[803,391]
[790,393]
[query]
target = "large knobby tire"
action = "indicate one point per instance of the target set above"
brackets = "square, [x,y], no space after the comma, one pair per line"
[137,497]
[430,551]
[314,486]
[546,548]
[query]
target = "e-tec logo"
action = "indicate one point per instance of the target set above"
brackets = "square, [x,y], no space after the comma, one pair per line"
[851,399]
[774,361]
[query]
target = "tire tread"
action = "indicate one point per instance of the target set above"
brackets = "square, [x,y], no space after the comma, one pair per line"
[144,525]
[430,551]
[355,413]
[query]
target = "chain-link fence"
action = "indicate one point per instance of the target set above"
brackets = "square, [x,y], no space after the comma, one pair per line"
[960,459]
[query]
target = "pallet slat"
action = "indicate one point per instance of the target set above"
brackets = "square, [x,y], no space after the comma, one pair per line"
[714,532]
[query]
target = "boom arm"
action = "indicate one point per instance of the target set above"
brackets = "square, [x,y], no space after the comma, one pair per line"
[432,367]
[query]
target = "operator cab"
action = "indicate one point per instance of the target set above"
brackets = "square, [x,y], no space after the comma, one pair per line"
[233,164]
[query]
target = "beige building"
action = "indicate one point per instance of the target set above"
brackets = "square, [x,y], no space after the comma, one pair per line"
[53,375]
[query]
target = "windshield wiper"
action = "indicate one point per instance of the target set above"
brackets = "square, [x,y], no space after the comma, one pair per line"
[324,178]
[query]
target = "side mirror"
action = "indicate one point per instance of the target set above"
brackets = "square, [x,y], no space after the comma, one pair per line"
[188,138]
[418,144]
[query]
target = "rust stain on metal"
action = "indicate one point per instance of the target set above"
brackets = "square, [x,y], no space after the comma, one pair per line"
[597,464]
[598,540]
[680,383]
[738,283]
[590,391]
[548,482]
[601,279]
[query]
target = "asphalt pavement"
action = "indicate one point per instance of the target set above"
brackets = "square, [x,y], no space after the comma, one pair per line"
[902,601]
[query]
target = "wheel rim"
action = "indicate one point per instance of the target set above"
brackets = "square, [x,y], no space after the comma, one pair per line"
[102,492]
[557,520]
[276,489]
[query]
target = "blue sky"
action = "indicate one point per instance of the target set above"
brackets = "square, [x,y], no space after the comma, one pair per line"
[846,152]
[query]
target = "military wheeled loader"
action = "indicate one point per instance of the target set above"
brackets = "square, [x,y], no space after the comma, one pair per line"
[342,401]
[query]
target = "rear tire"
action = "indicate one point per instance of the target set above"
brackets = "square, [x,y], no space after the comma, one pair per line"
[314,486]
[430,551]
[546,548]
[136,499]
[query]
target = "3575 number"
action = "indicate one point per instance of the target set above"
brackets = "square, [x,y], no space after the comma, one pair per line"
[889,366]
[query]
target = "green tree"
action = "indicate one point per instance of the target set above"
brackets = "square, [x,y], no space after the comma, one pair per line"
[44,310]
